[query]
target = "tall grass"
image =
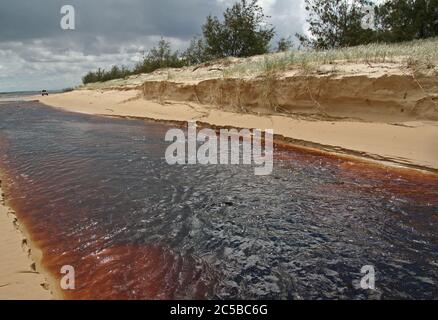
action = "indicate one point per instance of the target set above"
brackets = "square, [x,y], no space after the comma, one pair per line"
[418,52]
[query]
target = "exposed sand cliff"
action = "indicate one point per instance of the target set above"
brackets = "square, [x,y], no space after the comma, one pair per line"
[396,90]
[378,97]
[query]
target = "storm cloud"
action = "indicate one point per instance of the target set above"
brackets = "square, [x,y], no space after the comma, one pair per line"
[36,53]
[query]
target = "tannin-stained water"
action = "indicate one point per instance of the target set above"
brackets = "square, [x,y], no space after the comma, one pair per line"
[97,194]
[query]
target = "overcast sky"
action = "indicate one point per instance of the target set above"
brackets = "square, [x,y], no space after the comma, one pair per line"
[36,53]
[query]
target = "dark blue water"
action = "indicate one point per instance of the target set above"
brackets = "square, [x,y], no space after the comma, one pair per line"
[96,193]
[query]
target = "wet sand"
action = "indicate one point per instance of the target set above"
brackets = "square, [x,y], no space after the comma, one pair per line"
[18,278]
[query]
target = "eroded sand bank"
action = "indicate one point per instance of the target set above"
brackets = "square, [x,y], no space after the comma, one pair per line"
[410,143]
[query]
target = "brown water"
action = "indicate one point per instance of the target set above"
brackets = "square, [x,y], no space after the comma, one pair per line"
[96,193]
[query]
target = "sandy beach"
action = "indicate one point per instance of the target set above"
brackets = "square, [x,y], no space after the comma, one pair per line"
[19,279]
[409,143]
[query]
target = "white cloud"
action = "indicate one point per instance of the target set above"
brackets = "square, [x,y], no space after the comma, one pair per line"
[39,54]
[32,65]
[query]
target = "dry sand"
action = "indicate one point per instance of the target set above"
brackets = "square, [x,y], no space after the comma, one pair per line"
[18,278]
[410,143]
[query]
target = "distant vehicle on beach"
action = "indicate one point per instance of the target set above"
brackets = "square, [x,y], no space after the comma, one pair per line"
[44,93]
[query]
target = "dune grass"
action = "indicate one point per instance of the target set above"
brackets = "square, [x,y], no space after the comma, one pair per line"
[422,53]
[418,54]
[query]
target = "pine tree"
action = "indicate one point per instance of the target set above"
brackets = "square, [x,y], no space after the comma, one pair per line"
[284,44]
[336,23]
[404,20]
[242,33]
[195,53]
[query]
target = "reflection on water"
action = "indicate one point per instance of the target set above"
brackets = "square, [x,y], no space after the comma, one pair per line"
[96,193]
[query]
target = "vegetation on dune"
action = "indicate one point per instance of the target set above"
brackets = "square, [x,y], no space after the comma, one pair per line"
[159,57]
[244,32]
[404,20]
[284,44]
[101,75]
[337,33]
[339,23]
[334,24]
[422,53]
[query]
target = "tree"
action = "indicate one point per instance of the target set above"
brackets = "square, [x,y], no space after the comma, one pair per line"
[162,54]
[196,52]
[336,23]
[242,33]
[404,20]
[90,77]
[159,57]
[284,45]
